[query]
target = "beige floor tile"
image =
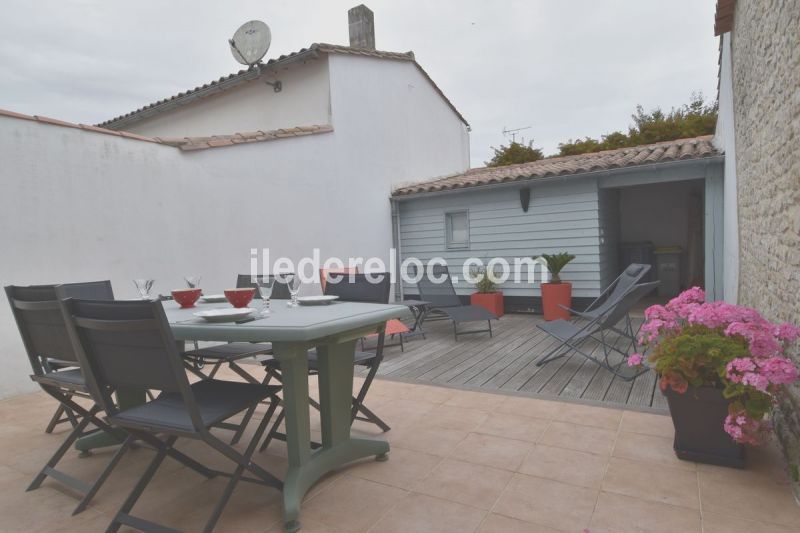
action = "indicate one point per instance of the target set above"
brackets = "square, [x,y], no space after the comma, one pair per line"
[393,389]
[399,412]
[648,424]
[650,449]
[475,400]
[581,438]
[514,427]
[404,469]
[546,502]
[652,482]
[588,415]
[722,523]
[435,395]
[568,466]
[475,485]
[353,504]
[451,417]
[419,512]
[496,523]
[436,441]
[761,501]
[530,407]
[623,514]
[765,464]
[492,451]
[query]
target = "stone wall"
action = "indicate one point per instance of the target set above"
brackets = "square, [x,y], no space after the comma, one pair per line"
[766,91]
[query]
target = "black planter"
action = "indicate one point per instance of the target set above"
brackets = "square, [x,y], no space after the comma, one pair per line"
[698,416]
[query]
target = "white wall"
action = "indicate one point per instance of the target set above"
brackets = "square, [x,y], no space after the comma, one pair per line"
[78,205]
[303,101]
[725,141]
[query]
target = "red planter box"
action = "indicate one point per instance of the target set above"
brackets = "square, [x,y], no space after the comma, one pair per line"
[554,294]
[493,301]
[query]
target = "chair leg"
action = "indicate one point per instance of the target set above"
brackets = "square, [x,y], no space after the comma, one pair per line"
[243,463]
[490,328]
[123,514]
[87,498]
[272,431]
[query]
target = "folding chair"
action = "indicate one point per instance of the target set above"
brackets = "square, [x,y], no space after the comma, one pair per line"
[445,302]
[41,325]
[572,336]
[351,288]
[629,277]
[130,344]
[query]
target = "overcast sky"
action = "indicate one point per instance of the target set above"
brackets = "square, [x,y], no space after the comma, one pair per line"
[565,68]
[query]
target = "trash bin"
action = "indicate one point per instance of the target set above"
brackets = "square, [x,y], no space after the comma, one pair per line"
[668,267]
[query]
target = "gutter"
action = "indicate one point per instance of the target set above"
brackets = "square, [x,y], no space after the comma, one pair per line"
[707,161]
[396,244]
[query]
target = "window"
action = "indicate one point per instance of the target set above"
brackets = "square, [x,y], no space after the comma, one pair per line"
[457,229]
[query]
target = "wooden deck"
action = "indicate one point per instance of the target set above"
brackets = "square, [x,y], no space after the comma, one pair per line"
[507,363]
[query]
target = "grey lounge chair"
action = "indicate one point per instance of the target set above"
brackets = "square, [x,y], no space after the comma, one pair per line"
[130,344]
[445,302]
[572,336]
[629,277]
[44,335]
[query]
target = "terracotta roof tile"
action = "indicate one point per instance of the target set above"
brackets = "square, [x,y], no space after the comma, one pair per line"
[233,80]
[185,143]
[693,148]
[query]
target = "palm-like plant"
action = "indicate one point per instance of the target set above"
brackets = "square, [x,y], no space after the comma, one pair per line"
[555,263]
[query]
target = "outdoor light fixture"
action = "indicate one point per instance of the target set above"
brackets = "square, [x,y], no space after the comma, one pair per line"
[525,198]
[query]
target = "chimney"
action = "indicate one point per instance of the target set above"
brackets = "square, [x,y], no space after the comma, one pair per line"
[362,27]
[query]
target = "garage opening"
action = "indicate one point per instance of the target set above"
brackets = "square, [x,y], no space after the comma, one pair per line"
[662,225]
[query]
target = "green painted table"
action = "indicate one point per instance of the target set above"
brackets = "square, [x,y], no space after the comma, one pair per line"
[333,330]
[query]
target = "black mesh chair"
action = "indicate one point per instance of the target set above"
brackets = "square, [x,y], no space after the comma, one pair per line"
[129,344]
[437,288]
[41,325]
[368,288]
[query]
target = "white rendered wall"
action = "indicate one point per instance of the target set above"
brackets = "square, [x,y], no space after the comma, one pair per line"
[725,140]
[303,101]
[78,205]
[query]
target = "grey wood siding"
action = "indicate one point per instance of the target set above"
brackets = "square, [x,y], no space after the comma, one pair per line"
[561,216]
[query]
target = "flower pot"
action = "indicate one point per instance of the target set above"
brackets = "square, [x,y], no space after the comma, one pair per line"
[698,416]
[492,301]
[554,294]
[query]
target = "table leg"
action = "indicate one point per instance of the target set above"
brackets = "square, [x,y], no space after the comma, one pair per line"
[335,364]
[126,398]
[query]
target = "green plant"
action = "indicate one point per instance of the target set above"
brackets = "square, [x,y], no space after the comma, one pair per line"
[484,280]
[514,154]
[555,263]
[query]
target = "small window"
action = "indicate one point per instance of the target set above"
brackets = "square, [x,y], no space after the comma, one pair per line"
[457,229]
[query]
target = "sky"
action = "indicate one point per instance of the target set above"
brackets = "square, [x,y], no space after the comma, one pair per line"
[564,69]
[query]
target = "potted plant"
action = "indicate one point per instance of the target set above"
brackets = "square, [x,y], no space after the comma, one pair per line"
[721,367]
[487,296]
[556,293]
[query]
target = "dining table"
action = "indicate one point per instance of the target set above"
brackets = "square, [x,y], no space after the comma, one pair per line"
[333,331]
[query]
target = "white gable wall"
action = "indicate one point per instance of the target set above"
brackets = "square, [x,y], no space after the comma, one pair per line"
[303,101]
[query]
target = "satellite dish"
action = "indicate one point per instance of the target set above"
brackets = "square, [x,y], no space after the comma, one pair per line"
[250,42]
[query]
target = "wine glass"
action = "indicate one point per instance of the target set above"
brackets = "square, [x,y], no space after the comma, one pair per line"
[265,285]
[144,286]
[293,283]
[193,282]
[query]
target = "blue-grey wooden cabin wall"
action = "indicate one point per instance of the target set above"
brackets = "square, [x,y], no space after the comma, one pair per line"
[562,216]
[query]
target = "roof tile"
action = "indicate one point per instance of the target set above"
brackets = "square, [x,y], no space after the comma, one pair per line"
[693,148]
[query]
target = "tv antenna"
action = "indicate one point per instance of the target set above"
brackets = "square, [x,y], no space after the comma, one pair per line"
[513,132]
[250,44]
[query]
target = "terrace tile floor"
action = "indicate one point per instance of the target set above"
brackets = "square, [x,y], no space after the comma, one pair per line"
[461,461]
[506,362]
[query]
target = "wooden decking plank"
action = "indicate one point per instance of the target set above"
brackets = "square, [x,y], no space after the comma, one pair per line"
[642,390]
[567,373]
[481,376]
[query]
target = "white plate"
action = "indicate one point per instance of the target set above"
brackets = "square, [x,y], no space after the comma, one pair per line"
[316,300]
[227,314]
[214,298]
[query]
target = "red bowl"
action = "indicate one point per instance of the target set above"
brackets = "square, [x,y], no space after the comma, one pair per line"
[240,297]
[186,297]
